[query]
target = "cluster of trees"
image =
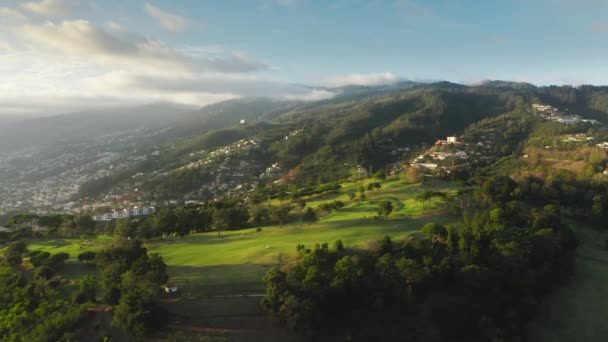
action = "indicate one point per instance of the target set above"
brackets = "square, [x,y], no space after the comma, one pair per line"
[168,221]
[45,265]
[578,197]
[31,307]
[131,280]
[477,282]
[427,197]
[55,225]
[227,214]
[385,208]
[331,206]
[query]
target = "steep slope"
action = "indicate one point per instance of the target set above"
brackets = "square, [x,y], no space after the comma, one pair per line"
[317,142]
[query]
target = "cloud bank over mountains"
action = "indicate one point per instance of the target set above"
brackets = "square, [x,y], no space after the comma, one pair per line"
[52,61]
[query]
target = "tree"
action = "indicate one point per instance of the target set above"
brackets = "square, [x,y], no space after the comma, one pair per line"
[385,246]
[425,197]
[385,208]
[14,252]
[164,222]
[58,259]
[280,214]
[126,228]
[137,312]
[38,258]
[85,223]
[87,256]
[310,216]
[352,196]
[465,193]
[132,279]
[444,197]
[261,215]
[87,290]
[44,272]
[234,217]
[435,231]
[381,174]
[301,206]
[598,206]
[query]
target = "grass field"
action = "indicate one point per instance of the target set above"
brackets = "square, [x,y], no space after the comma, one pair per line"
[220,278]
[578,311]
[235,262]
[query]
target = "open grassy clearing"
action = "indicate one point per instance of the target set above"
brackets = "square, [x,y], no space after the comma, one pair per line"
[206,264]
[210,264]
[577,312]
[216,264]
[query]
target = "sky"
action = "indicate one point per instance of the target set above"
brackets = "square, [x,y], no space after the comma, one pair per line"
[69,55]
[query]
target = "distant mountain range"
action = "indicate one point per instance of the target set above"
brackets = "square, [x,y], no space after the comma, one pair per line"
[179,121]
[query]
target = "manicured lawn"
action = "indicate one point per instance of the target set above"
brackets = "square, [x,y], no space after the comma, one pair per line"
[236,261]
[224,264]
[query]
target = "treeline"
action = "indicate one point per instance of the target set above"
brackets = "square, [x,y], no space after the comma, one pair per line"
[27,225]
[584,199]
[226,214]
[478,282]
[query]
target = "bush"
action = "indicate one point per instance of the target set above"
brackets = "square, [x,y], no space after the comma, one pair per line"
[39,258]
[44,272]
[58,259]
[87,256]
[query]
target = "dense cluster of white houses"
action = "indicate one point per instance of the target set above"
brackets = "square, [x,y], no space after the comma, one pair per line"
[125,213]
[551,113]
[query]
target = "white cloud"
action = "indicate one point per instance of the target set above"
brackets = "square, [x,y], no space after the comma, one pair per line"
[11,15]
[170,21]
[371,79]
[58,66]
[48,8]
[208,85]
[118,45]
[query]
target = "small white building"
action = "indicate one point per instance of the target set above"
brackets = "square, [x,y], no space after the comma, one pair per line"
[171,289]
[452,140]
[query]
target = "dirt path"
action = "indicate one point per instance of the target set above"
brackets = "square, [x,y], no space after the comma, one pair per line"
[195,328]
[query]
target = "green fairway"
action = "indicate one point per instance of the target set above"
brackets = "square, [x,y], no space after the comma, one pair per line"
[216,264]
[235,262]
[577,312]
[402,194]
[71,246]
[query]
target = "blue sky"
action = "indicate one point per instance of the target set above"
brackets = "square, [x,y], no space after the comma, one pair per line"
[74,53]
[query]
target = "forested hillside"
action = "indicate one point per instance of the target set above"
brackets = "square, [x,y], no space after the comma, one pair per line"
[319,142]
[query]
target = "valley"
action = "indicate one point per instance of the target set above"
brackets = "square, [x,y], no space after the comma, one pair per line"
[235,204]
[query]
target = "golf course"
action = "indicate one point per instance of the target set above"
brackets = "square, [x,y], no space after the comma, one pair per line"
[220,275]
